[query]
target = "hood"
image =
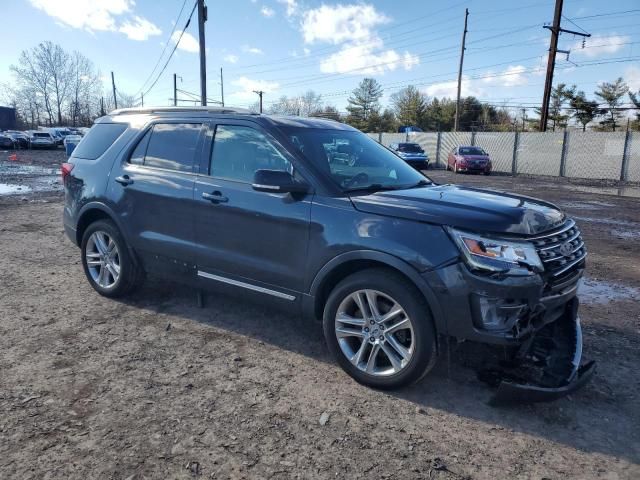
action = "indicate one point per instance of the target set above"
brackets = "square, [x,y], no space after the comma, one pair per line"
[475,157]
[412,154]
[465,208]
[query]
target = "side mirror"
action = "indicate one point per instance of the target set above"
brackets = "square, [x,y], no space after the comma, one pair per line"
[277,181]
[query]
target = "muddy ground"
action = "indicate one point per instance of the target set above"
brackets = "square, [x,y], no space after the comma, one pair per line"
[155,387]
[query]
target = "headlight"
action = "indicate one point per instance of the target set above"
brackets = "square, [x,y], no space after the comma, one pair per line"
[495,255]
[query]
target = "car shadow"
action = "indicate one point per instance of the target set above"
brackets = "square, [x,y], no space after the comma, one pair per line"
[600,418]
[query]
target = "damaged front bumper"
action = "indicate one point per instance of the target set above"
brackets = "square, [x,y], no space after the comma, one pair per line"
[546,367]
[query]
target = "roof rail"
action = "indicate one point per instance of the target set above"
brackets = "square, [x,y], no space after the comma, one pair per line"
[123,111]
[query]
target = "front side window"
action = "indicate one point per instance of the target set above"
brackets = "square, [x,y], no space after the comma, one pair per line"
[171,146]
[239,151]
[352,160]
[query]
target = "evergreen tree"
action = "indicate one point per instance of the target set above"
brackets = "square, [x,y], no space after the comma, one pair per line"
[363,102]
[611,94]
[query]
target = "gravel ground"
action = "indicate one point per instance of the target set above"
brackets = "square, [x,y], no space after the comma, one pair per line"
[155,387]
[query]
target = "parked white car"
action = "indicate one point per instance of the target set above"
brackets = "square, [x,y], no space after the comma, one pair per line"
[40,139]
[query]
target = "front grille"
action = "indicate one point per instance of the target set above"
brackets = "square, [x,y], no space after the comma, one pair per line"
[562,252]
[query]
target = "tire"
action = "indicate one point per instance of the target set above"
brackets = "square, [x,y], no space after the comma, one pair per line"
[418,341]
[129,274]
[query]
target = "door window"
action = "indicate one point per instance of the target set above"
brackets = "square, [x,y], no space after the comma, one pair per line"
[239,151]
[168,145]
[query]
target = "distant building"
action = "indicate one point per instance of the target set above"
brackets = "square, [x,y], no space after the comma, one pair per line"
[7,118]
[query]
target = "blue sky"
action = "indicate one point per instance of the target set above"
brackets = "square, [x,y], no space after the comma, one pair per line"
[285,47]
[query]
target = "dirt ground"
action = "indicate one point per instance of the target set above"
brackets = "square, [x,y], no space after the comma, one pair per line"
[155,387]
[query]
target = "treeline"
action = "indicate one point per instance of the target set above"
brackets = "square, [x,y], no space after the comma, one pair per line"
[55,87]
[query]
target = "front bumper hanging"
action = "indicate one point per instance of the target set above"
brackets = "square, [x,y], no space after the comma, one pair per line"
[546,367]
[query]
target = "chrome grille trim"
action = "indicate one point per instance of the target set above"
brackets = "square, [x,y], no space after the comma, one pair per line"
[548,247]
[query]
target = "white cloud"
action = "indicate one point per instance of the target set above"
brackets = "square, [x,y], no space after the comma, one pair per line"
[231,58]
[450,89]
[292,7]
[353,27]
[140,29]
[632,77]
[267,12]
[306,51]
[599,45]
[247,86]
[340,23]
[188,42]
[98,15]
[254,50]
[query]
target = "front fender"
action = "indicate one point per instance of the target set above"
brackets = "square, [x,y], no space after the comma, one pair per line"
[388,260]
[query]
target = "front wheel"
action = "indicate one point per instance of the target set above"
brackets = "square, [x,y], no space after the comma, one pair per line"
[378,327]
[107,262]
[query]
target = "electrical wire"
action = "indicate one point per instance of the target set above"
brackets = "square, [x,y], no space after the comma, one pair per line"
[174,48]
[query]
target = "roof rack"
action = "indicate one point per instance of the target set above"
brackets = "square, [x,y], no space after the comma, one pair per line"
[122,111]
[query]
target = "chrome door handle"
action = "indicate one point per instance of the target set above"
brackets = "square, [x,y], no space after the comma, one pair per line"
[215,197]
[124,180]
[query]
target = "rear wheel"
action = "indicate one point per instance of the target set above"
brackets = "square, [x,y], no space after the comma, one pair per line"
[107,261]
[377,326]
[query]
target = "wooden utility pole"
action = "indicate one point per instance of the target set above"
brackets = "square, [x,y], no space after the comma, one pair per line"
[551,61]
[260,93]
[142,99]
[221,87]
[175,91]
[202,17]
[113,84]
[464,39]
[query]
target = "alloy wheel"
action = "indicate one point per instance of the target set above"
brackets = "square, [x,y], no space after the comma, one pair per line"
[374,332]
[103,259]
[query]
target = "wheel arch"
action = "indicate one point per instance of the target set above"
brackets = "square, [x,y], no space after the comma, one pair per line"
[93,212]
[348,263]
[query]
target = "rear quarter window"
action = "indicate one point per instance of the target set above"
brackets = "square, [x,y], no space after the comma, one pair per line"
[100,137]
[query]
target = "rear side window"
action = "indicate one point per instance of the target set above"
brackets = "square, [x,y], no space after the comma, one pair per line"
[171,146]
[100,137]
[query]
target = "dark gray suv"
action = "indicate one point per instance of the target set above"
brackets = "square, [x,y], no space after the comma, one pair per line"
[393,264]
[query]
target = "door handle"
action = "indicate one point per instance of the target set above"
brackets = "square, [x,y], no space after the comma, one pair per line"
[215,197]
[124,180]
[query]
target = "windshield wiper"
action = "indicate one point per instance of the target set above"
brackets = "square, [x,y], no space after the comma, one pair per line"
[374,187]
[420,183]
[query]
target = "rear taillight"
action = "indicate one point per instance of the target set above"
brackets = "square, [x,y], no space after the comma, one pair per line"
[65,170]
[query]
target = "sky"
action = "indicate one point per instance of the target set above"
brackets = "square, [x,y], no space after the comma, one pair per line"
[285,47]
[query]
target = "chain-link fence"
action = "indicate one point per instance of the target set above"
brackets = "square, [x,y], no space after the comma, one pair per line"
[574,154]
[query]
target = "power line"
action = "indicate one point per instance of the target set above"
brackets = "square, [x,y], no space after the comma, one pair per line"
[164,49]
[623,12]
[174,48]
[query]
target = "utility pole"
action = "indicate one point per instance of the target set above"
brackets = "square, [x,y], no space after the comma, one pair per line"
[524,116]
[464,39]
[221,87]
[260,93]
[202,17]
[551,61]
[175,91]
[113,84]
[102,107]
[142,99]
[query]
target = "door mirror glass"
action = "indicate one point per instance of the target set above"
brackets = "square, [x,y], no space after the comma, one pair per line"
[277,181]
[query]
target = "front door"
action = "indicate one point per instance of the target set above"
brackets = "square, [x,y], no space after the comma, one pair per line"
[252,240]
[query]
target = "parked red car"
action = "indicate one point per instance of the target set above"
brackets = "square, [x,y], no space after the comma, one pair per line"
[469,159]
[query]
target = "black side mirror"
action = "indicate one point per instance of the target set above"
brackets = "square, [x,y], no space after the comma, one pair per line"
[277,181]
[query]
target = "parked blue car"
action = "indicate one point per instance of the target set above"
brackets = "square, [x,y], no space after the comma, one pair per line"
[412,153]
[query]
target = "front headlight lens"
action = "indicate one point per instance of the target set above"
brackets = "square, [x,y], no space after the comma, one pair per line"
[496,255]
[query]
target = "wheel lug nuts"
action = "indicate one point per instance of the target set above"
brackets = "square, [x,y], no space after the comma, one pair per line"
[366,329]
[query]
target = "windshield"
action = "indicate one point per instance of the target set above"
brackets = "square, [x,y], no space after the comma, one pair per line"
[42,135]
[354,161]
[471,151]
[409,148]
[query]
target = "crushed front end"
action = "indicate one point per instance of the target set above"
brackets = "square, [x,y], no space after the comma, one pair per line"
[520,293]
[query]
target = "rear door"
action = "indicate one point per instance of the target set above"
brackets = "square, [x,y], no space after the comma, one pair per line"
[154,191]
[252,240]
